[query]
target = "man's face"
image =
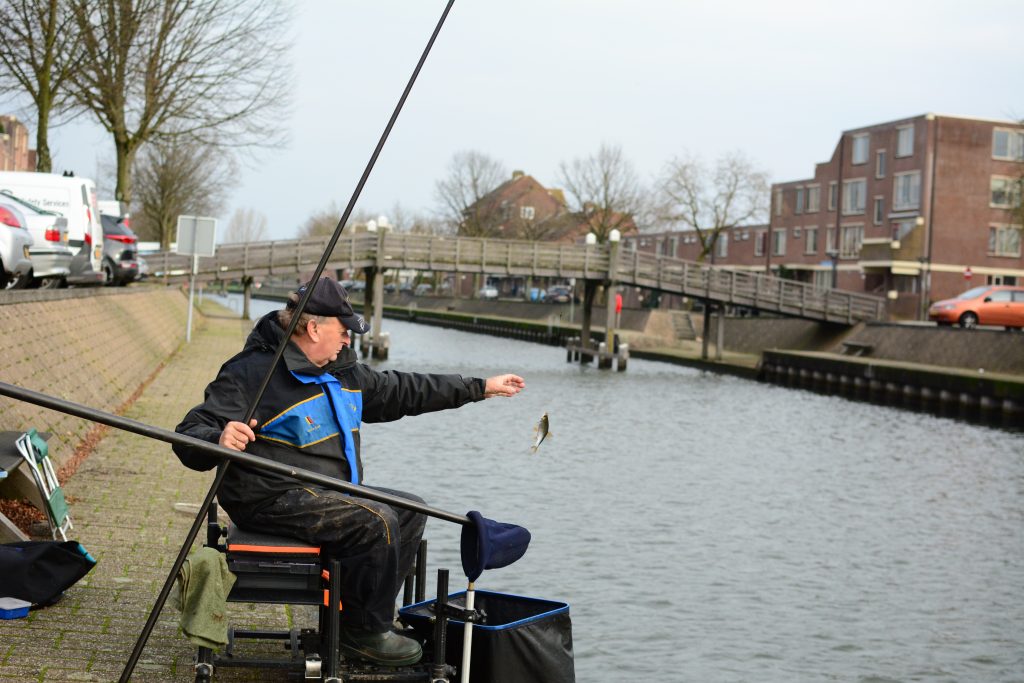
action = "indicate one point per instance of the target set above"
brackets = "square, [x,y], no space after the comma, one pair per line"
[327,339]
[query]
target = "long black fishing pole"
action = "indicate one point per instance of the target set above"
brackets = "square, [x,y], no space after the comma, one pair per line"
[174,438]
[300,307]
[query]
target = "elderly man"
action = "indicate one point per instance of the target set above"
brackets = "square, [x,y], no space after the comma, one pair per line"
[309,417]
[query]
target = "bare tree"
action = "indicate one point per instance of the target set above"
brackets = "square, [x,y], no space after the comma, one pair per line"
[38,48]
[709,201]
[463,193]
[178,177]
[205,70]
[414,223]
[606,191]
[246,225]
[323,222]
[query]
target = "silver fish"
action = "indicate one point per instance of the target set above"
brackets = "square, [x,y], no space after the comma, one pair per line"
[541,432]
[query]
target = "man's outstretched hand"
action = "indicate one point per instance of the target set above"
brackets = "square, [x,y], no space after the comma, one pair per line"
[503,385]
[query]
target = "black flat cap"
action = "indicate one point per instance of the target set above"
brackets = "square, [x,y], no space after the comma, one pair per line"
[329,298]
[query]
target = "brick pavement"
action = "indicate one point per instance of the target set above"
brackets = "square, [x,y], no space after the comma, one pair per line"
[123,499]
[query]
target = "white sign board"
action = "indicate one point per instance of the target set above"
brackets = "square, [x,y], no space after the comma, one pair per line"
[197,235]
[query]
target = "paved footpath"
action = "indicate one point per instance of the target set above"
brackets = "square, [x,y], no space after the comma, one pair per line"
[123,507]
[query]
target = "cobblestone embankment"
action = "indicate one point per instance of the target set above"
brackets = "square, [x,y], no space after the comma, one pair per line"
[123,499]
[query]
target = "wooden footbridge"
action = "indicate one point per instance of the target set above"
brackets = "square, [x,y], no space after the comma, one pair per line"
[604,262]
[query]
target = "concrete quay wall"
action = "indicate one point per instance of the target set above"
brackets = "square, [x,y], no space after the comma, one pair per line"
[95,347]
[988,397]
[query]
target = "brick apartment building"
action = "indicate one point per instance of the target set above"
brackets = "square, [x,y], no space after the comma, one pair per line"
[917,210]
[521,208]
[14,152]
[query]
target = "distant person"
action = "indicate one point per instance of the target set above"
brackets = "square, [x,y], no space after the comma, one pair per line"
[309,417]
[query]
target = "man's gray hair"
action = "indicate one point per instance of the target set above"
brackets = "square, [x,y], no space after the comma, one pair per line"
[284,319]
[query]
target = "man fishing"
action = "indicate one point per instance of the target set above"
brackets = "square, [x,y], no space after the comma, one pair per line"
[309,417]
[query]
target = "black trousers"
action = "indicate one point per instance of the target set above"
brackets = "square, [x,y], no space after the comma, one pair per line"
[375,542]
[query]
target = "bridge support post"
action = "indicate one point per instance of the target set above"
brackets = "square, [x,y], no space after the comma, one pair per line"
[246,296]
[379,348]
[720,332]
[706,330]
[589,293]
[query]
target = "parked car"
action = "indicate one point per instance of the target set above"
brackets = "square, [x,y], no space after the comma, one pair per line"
[120,251]
[51,256]
[15,241]
[424,289]
[487,293]
[987,305]
[75,199]
[558,294]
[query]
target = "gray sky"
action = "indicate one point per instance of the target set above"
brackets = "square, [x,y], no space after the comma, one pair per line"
[537,82]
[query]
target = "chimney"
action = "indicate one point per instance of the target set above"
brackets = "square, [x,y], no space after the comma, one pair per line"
[516,175]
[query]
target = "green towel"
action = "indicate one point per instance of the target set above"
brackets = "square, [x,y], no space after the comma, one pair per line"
[203,586]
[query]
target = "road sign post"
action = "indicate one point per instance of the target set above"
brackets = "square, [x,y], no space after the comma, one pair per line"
[197,236]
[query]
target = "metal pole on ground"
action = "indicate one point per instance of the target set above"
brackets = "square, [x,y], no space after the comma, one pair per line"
[191,296]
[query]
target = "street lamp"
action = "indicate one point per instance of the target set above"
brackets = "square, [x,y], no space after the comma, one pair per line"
[834,255]
[613,236]
[590,239]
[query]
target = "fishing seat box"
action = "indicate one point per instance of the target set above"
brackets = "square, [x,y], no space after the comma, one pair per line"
[522,640]
[273,569]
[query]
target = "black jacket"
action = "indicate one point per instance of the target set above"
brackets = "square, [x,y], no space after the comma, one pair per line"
[385,396]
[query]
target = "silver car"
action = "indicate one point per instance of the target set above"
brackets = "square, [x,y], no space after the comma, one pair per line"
[15,240]
[51,255]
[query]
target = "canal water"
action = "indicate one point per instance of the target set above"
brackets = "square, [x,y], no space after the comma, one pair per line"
[707,528]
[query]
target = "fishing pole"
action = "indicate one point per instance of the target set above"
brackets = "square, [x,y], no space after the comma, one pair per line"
[300,307]
[175,439]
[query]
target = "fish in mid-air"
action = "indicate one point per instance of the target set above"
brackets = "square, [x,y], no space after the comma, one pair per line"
[541,432]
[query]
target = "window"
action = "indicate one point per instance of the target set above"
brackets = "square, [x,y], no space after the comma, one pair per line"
[901,229]
[833,189]
[811,241]
[854,196]
[1004,240]
[880,163]
[830,239]
[673,246]
[905,141]
[860,149]
[823,278]
[778,202]
[779,242]
[906,191]
[879,210]
[527,213]
[813,199]
[1008,144]
[759,237]
[853,236]
[722,245]
[798,205]
[1006,192]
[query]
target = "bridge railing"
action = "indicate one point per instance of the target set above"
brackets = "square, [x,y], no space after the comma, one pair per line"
[743,287]
[511,257]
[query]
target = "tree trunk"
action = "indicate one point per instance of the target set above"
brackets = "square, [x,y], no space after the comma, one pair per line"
[44,163]
[125,154]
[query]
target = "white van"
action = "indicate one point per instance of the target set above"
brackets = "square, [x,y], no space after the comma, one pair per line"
[75,199]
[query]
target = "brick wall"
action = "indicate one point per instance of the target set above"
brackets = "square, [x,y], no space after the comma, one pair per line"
[90,347]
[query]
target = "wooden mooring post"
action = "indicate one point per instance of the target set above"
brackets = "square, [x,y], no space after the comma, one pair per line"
[575,352]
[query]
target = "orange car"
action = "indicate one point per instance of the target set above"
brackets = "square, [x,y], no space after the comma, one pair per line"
[989,305]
